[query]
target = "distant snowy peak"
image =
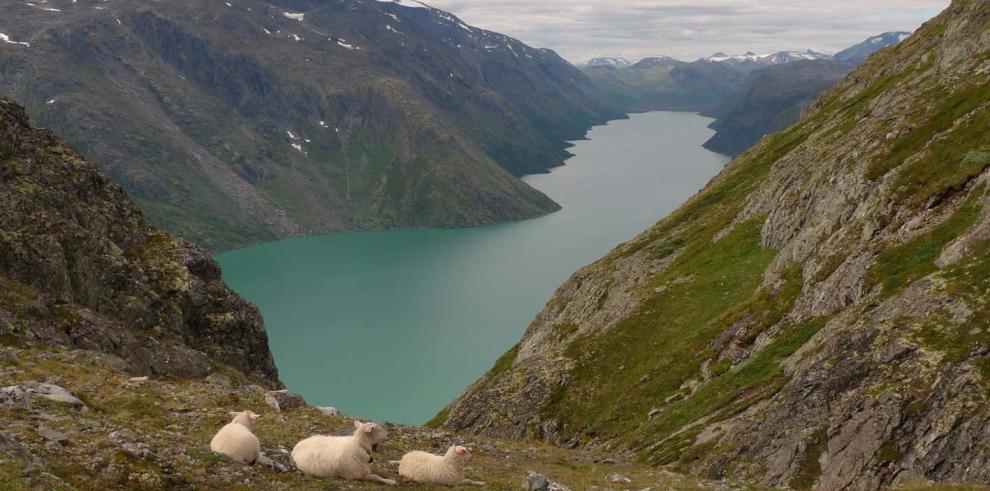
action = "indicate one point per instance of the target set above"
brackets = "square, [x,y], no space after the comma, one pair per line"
[778,58]
[863,50]
[657,61]
[607,62]
[413,4]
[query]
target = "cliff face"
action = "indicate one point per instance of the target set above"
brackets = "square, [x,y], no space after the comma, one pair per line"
[81,268]
[817,316]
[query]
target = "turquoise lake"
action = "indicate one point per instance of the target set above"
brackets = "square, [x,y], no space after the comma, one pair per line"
[394,325]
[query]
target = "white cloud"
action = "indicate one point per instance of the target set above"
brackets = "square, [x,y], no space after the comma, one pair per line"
[582,29]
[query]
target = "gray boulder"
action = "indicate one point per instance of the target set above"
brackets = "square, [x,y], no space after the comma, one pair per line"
[283,400]
[14,397]
[53,435]
[55,393]
[328,411]
[539,482]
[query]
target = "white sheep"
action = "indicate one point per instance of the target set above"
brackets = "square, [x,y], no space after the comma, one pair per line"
[435,469]
[236,440]
[348,457]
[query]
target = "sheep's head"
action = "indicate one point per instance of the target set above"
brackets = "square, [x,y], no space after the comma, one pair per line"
[371,432]
[244,417]
[460,453]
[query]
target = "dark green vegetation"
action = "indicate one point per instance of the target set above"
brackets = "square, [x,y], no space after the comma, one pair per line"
[904,263]
[816,317]
[233,125]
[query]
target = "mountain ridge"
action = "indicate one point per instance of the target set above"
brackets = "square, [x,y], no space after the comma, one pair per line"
[713,85]
[237,124]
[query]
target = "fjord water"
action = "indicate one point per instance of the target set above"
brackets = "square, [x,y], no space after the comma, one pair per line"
[393,325]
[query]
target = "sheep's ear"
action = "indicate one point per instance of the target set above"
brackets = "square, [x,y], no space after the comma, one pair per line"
[254,417]
[369,427]
[358,424]
[233,414]
[461,450]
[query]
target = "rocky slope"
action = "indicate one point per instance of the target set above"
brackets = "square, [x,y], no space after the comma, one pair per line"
[235,122]
[81,268]
[154,434]
[817,317]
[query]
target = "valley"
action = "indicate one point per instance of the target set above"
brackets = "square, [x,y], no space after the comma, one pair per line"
[442,305]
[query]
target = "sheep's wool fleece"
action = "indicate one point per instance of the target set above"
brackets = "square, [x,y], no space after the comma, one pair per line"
[332,456]
[237,442]
[428,468]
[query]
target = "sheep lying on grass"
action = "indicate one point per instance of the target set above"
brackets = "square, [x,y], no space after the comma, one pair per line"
[348,457]
[236,440]
[434,469]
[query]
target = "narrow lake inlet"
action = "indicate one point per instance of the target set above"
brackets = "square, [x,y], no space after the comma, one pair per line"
[394,325]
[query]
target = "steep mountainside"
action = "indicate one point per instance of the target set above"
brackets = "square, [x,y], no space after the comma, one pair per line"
[817,316]
[771,100]
[81,268]
[234,122]
[774,97]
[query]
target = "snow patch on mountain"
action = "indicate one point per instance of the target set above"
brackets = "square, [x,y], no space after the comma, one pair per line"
[5,38]
[607,61]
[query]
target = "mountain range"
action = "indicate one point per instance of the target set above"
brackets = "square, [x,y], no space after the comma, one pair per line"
[750,95]
[816,317]
[243,121]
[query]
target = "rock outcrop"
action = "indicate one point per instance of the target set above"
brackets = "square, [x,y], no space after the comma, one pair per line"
[81,268]
[817,316]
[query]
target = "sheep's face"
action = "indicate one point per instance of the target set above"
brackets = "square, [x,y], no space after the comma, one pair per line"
[244,417]
[372,431]
[461,453]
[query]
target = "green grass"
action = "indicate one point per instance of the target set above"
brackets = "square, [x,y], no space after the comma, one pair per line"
[766,307]
[951,156]
[505,361]
[899,266]
[665,340]
[753,380]
[809,467]
[969,281]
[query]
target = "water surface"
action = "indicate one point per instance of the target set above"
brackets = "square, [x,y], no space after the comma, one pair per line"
[393,325]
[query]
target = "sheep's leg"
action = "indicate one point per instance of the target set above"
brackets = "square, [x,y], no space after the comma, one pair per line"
[468,482]
[377,478]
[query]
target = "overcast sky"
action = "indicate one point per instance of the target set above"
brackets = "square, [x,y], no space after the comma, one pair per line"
[583,29]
